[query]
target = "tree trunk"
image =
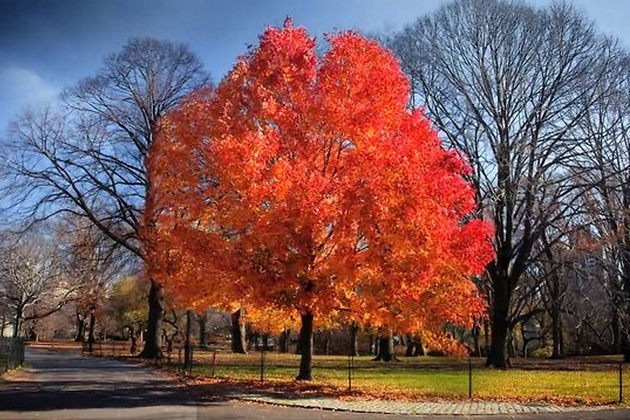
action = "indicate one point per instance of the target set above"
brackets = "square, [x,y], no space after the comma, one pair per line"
[556,332]
[152,348]
[17,321]
[91,332]
[386,348]
[187,344]
[410,345]
[80,327]
[203,336]
[497,356]
[134,339]
[486,336]
[616,330]
[283,345]
[354,339]
[419,348]
[4,323]
[414,346]
[306,348]
[511,346]
[239,345]
[476,331]
[327,341]
[373,345]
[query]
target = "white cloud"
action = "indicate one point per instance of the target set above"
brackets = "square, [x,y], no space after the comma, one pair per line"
[21,86]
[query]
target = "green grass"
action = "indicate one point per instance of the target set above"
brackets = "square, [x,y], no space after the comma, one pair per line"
[428,376]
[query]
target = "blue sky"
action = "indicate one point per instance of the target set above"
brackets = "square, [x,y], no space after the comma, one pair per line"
[46,45]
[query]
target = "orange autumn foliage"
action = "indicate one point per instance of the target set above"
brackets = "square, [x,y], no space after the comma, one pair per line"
[306,185]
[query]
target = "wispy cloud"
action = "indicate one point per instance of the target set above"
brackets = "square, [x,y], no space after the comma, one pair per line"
[20,88]
[25,87]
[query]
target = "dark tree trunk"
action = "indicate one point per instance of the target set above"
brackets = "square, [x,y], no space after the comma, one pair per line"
[556,332]
[90,341]
[17,321]
[283,344]
[354,339]
[385,348]
[476,331]
[152,348]
[203,336]
[80,327]
[616,330]
[486,336]
[306,348]
[419,348]
[555,298]
[239,336]
[497,356]
[4,321]
[414,346]
[134,339]
[409,345]
[187,343]
[373,345]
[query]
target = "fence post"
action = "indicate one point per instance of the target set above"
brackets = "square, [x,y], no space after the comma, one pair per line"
[469,377]
[214,361]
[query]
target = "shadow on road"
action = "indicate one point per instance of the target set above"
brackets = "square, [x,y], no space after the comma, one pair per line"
[32,396]
[58,380]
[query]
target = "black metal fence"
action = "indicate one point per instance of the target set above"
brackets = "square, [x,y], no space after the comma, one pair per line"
[598,380]
[603,381]
[11,353]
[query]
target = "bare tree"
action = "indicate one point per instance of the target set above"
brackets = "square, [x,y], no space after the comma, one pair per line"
[92,260]
[90,158]
[32,284]
[604,171]
[555,266]
[507,85]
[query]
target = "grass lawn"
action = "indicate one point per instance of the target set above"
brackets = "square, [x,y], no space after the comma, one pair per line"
[428,377]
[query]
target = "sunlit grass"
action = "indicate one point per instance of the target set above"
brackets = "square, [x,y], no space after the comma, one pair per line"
[426,377]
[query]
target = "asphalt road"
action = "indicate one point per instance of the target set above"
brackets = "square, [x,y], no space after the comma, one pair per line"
[66,385]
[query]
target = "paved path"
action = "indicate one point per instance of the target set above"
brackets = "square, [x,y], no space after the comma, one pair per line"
[422,408]
[65,385]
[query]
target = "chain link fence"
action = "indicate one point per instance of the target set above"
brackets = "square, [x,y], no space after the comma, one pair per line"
[11,353]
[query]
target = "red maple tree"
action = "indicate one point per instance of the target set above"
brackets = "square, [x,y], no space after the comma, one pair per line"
[307,186]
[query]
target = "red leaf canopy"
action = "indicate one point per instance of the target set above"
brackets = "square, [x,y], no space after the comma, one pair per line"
[306,185]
